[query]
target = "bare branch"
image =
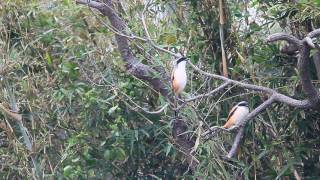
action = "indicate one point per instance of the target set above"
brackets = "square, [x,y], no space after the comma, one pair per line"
[144,72]
[236,143]
[316,61]
[314,33]
[214,130]
[304,47]
[303,67]
[216,90]
[151,112]
[144,23]
[93,4]
[158,111]
[277,96]
[309,42]
[133,66]
[241,84]
[283,36]
[182,139]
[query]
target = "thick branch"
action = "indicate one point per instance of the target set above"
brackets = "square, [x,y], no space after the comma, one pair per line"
[144,72]
[314,33]
[283,36]
[182,139]
[303,67]
[304,47]
[133,66]
[236,143]
[316,61]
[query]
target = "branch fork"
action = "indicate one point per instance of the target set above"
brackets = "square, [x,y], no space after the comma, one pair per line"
[144,72]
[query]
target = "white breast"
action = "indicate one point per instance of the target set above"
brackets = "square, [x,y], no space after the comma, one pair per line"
[180,77]
[240,114]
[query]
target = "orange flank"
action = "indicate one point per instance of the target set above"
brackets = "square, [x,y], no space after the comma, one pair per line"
[231,120]
[229,123]
[175,84]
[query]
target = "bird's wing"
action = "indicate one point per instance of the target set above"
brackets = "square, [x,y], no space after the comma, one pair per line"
[172,75]
[232,112]
[231,121]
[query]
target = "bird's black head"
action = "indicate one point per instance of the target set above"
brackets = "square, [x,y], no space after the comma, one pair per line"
[181,59]
[243,103]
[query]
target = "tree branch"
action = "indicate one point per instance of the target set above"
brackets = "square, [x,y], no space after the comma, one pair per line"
[277,96]
[92,4]
[303,68]
[216,90]
[283,36]
[133,66]
[304,47]
[309,89]
[144,72]
[219,88]
[316,61]
[314,33]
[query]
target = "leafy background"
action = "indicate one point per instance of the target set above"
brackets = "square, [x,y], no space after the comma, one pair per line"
[60,63]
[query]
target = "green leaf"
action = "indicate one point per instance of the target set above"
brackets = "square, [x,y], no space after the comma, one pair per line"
[168,149]
[145,132]
[67,171]
[284,170]
[48,58]
[107,154]
[121,154]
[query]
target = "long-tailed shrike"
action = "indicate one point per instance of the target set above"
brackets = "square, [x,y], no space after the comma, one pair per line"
[179,76]
[237,114]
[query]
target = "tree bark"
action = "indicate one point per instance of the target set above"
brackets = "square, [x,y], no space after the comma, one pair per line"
[316,61]
[145,73]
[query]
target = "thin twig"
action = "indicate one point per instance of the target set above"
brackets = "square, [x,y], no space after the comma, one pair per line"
[219,88]
[277,96]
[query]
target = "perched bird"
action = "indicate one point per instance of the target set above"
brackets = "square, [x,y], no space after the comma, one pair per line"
[179,76]
[237,114]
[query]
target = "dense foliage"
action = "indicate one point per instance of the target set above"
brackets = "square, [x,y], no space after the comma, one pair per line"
[85,114]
